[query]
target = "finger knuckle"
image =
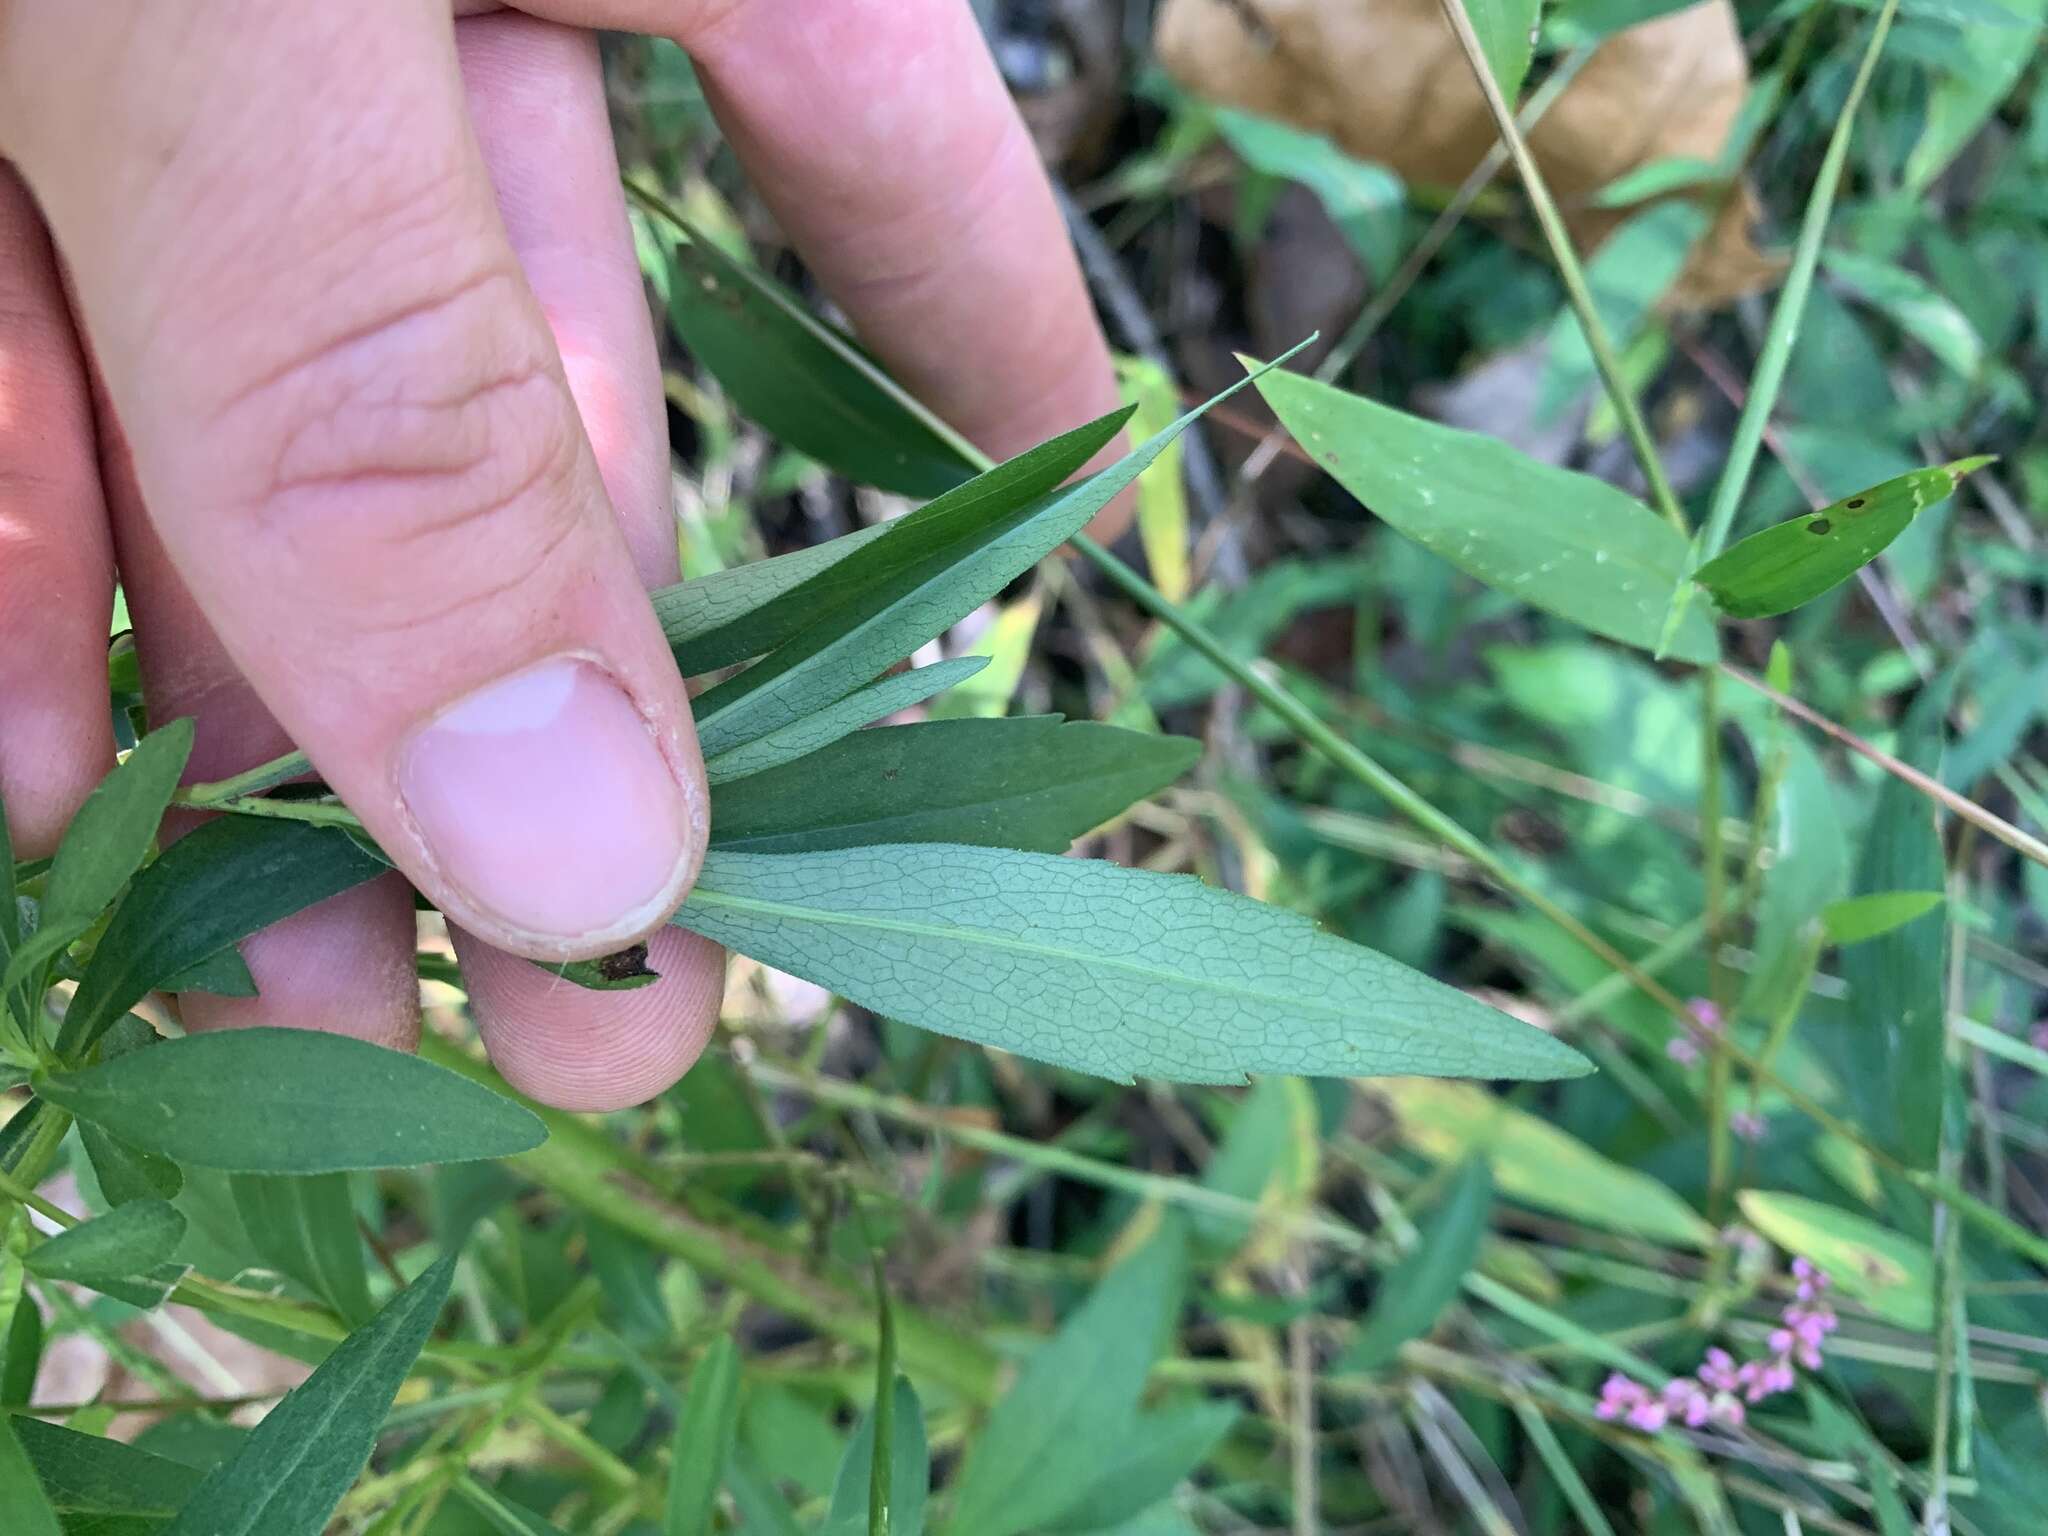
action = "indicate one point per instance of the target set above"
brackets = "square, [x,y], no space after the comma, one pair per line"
[413,436]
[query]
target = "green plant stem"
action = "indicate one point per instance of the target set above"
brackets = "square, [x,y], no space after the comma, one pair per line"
[581,1165]
[1573,273]
[1769,376]
[279,770]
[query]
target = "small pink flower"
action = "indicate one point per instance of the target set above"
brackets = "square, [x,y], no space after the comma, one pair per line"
[1728,1410]
[1682,1051]
[1718,1371]
[1649,1417]
[1750,1127]
[1706,1013]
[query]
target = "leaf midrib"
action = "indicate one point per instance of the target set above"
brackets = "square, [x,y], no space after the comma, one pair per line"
[1095,958]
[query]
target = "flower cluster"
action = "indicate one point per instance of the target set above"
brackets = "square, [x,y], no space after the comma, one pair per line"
[1686,1049]
[1720,1390]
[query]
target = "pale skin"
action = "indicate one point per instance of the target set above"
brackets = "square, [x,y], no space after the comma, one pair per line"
[322,322]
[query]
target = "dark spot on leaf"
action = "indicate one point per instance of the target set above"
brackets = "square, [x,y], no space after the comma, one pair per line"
[1856,505]
[1819,525]
[625,964]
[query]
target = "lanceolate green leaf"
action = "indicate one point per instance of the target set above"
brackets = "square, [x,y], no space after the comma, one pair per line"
[834,721]
[732,615]
[1060,1425]
[1507,30]
[1874,914]
[1873,1263]
[703,1440]
[210,889]
[129,1240]
[107,841]
[301,1459]
[103,1486]
[1415,1291]
[807,383]
[935,567]
[1033,783]
[293,1101]
[305,1228]
[1774,571]
[22,1499]
[1155,1454]
[909,1472]
[1113,971]
[1565,542]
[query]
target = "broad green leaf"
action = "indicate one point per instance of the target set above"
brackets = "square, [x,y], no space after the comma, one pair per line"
[703,1440]
[1888,1272]
[1541,1164]
[1856,918]
[935,567]
[1656,178]
[909,1473]
[1032,782]
[305,1229]
[297,1464]
[731,615]
[23,1501]
[1414,1293]
[105,844]
[1961,98]
[835,721]
[1506,30]
[1774,571]
[807,383]
[1117,972]
[1568,543]
[21,1323]
[1058,1428]
[1154,1455]
[293,1101]
[1915,306]
[1895,1070]
[1365,201]
[129,1240]
[210,889]
[101,1486]
[124,1172]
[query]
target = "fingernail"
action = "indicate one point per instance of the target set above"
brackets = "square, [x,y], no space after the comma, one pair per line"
[543,798]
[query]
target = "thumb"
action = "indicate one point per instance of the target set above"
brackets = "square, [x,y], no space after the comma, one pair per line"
[352,428]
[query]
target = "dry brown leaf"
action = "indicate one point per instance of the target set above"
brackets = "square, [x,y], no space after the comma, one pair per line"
[1386,81]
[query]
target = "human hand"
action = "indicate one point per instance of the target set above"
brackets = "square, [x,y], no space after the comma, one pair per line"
[353,378]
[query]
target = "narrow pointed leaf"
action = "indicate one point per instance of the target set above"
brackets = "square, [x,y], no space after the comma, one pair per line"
[127,1173]
[1506,31]
[703,1440]
[1059,1427]
[1156,1453]
[1034,782]
[909,1472]
[806,382]
[210,889]
[1112,971]
[105,844]
[22,1499]
[305,1228]
[293,1101]
[732,615]
[835,721]
[1874,914]
[1564,542]
[934,568]
[1774,571]
[129,1240]
[297,1464]
[1414,1293]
